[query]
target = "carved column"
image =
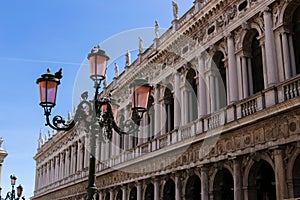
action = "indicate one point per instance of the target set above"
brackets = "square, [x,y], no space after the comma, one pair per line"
[202,109]
[178,187]
[139,190]
[204,184]
[67,163]
[61,166]
[233,83]
[265,69]
[124,193]
[79,156]
[126,137]
[57,167]
[111,194]
[157,112]
[100,196]
[51,174]
[270,49]
[72,156]
[292,54]
[36,178]
[212,93]
[286,56]
[280,176]
[237,180]
[86,151]
[177,100]
[245,81]
[156,189]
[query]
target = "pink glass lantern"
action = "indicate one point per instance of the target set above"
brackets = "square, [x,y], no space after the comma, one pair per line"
[98,62]
[48,85]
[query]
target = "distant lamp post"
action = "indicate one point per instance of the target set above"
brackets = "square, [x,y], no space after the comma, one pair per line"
[98,115]
[11,195]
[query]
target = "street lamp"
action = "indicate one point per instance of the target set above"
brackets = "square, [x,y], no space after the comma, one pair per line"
[11,195]
[99,115]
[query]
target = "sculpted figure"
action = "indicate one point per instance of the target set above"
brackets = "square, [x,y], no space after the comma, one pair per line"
[175,9]
[128,60]
[116,70]
[141,48]
[156,29]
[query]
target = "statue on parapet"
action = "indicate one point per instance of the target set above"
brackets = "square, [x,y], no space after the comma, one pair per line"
[156,29]
[141,47]
[116,70]
[175,10]
[128,59]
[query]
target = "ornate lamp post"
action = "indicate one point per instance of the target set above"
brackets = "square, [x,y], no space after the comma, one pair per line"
[98,115]
[11,195]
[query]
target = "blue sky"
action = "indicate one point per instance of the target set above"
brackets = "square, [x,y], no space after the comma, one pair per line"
[35,35]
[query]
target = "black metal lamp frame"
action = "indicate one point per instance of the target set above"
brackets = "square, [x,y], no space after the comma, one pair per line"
[89,113]
[11,195]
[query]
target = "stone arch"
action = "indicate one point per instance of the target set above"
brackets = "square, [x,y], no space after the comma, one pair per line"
[169,109]
[191,93]
[192,187]
[168,192]
[293,161]
[222,183]
[254,66]
[107,196]
[149,192]
[215,171]
[290,19]
[119,195]
[219,90]
[251,162]
[288,10]
[133,193]
[261,181]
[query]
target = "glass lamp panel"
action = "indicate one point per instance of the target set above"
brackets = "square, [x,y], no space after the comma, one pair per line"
[19,190]
[140,97]
[13,180]
[97,67]
[115,110]
[104,108]
[48,90]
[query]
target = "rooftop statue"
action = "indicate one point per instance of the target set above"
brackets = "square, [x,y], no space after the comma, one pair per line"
[175,9]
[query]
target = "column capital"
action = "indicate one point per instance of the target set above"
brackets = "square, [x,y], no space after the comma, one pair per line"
[230,35]
[267,10]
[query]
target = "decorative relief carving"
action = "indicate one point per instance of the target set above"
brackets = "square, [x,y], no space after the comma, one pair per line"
[259,136]
[260,22]
[230,13]
[247,140]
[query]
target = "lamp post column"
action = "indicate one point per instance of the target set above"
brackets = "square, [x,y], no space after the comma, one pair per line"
[91,190]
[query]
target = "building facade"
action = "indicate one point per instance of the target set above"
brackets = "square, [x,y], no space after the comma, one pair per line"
[223,120]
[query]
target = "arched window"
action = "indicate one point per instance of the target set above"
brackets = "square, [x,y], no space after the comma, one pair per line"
[169,109]
[296,177]
[149,193]
[219,96]
[133,194]
[223,185]
[296,37]
[191,96]
[119,195]
[252,68]
[169,190]
[261,182]
[107,196]
[193,188]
